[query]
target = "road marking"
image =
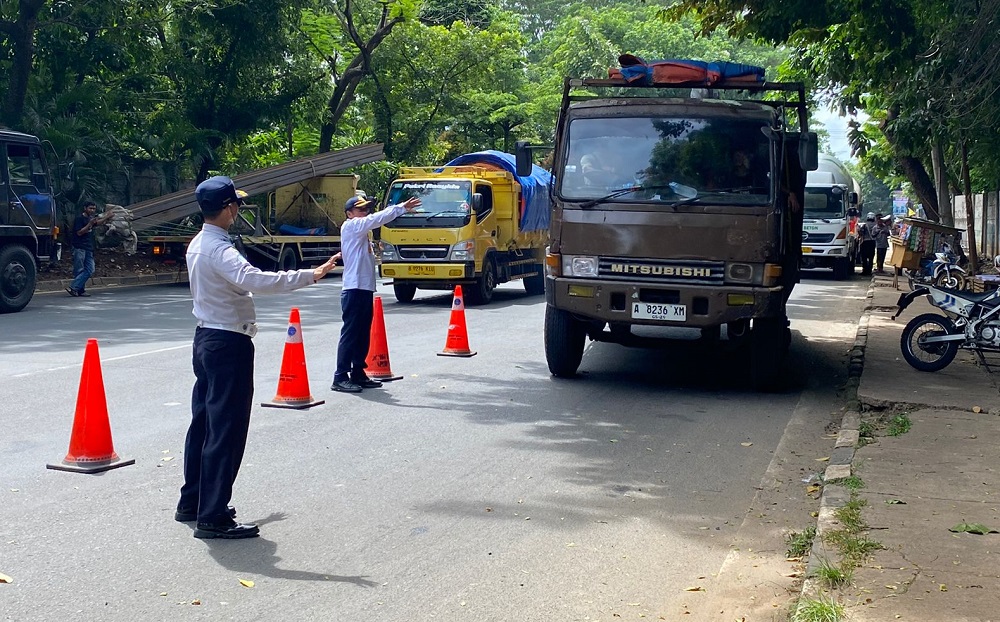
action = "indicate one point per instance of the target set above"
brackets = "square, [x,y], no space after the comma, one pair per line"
[113,358]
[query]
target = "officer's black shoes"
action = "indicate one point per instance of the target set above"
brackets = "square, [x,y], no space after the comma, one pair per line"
[227,531]
[367,383]
[346,386]
[187,515]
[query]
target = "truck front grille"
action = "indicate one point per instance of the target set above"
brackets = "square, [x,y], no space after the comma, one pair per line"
[423,253]
[663,270]
[817,238]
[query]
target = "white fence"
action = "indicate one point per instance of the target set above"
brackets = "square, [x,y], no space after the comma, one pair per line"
[987,211]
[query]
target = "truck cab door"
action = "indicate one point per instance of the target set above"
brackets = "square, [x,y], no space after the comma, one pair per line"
[28,194]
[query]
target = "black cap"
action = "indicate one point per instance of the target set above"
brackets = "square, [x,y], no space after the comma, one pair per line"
[354,202]
[216,192]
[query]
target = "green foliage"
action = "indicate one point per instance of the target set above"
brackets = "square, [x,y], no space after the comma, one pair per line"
[834,576]
[821,609]
[800,542]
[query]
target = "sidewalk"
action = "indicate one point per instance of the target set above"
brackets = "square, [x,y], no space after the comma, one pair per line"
[942,472]
[58,285]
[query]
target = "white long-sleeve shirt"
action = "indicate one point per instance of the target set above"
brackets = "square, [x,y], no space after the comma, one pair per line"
[356,249]
[223,281]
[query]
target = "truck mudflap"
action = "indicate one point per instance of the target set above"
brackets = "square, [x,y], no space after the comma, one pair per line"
[663,305]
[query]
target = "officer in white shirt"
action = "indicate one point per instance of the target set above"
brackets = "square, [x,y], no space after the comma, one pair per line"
[222,283]
[358,290]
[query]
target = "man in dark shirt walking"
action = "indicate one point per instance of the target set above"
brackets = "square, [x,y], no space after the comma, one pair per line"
[82,240]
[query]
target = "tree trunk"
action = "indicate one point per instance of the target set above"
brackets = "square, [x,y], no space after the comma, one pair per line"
[970,210]
[22,37]
[346,84]
[947,218]
[913,169]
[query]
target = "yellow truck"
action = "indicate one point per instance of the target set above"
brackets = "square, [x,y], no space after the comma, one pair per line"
[479,225]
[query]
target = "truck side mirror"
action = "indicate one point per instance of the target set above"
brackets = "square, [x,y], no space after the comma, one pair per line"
[853,198]
[809,151]
[522,158]
[477,202]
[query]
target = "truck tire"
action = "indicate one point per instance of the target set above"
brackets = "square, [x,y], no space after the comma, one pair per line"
[404,292]
[482,292]
[535,285]
[288,259]
[565,337]
[17,278]
[842,268]
[769,341]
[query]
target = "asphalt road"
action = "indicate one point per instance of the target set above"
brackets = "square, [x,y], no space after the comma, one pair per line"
[475,488]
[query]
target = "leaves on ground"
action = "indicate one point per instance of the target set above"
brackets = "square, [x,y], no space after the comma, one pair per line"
[5,579]
[246,583]
[976,528]
[894,502]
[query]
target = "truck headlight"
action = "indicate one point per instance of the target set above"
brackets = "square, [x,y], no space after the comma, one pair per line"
[579,265]
[464,251]
[388,252]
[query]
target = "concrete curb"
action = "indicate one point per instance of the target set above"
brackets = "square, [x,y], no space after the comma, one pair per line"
[104,282]
[839,467]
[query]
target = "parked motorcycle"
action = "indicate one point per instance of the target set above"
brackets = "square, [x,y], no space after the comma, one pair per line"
[945,270]
[971,322]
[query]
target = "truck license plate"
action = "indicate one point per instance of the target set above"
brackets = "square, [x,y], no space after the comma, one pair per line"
[659,312]
[420,270]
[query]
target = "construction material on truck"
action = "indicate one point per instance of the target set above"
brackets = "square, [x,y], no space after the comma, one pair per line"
[178,205]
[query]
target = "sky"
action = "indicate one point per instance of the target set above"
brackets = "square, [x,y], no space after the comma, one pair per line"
[837,128]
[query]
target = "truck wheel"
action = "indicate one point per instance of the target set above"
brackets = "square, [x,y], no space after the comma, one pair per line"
[288,259]
[404,291]
[535,285]
[17,278]
[482,292]
[842,268]
[564,341]
[769,341]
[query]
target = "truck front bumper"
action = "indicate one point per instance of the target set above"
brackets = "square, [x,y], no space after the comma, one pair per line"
[429,275]
[612,301]
[823,255]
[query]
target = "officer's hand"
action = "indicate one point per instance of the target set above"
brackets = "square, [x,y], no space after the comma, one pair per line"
[321,271]
[412,203]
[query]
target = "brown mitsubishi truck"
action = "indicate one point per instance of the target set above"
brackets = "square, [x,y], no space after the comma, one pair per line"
[674,204]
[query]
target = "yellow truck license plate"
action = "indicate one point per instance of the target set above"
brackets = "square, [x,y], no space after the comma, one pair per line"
[420,270]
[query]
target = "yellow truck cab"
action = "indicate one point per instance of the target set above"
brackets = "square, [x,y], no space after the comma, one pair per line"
[479,225]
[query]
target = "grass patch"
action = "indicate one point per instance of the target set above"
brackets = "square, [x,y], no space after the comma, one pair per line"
[898,424]
[799,542]
[822,609]
[867,431]
[834,576]
[852,483]
[850,515]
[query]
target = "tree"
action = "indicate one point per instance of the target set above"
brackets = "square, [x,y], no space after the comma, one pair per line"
[895,56]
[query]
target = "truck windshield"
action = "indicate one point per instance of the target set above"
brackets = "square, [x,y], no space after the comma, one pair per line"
[723,160]
[824,203]
[445,203]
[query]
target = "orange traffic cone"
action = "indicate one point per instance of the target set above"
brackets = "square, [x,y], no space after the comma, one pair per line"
[90,447]
[377,362]
[457,343]
[293,381]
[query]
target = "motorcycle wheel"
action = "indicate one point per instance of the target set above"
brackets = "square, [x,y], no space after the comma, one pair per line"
[928,357]
[950,280]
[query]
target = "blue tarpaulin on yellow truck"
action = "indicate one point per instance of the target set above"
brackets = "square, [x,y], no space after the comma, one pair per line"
[534,188]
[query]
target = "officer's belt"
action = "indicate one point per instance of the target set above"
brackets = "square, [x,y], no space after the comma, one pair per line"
[246,328]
